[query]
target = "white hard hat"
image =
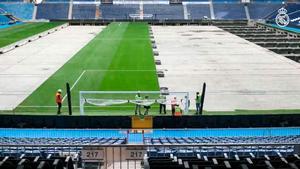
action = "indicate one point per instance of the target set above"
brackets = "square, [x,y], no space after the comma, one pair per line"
[59,90]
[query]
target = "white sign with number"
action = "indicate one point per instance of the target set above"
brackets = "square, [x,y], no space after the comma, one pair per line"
[92,154]
[135,154]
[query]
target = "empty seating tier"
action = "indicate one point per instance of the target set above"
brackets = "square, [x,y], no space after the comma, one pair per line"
[84,11]
[4,20]
[262,10]
[220,140]
[222,162]
[229,11]
[36,162]
[53,11]
[19,10]
[61,141]
[198,11]
[164,12]
[118,11]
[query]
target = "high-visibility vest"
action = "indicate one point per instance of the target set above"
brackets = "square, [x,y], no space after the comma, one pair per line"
[162,99]
[198,99]
[137,97]
[177,109]
[58,98]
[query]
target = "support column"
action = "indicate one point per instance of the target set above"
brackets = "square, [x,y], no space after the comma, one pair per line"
[70,10]
[185,12]
[34,12]
[211,8]
[247,12]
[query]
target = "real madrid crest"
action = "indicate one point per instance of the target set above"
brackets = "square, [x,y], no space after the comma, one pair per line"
[282,18]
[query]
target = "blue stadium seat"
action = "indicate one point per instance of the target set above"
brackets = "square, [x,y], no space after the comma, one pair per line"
[118,11]
[221,161]
[226,1]
[84,11]
[164,12]
[198,11]
[56,0]
[269,1]
[4,20]
[19,10]
[218,140]
[229,11]
[84,0]
[63,141]
[293,10]
[262,10]
[2,1]
[53,11]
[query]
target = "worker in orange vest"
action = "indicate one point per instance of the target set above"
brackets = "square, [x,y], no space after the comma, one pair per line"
[58,99]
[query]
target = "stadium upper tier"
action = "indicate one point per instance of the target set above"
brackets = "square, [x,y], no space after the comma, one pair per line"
[20,10]
[53,11]
[160,10]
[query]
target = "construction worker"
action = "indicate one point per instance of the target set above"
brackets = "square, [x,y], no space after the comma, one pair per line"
[162,104]
[198,102]
[173,105]
[138,100]
[58,99]
[147,107]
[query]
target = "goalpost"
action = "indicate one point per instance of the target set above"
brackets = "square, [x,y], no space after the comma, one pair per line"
[106,99]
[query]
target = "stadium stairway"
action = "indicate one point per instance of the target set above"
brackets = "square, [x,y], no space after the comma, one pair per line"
[277,41]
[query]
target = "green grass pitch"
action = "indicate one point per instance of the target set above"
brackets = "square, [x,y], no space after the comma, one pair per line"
[119,58]
[19,32]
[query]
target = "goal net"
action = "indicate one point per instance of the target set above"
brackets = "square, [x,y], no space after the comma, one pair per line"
[106,101]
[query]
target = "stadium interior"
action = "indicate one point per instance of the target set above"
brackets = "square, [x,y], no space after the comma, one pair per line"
[152,84]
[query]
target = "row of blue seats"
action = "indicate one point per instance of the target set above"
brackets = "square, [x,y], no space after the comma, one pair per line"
[158,11]
[62,141]
[36,162]
[20,10]
[222,162]
[208,140]
[213,151]
[162,11]
[216,1]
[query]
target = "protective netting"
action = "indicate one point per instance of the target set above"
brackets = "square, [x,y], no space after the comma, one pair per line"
[127,100]
[105,102]
[142,102]
[110,102]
